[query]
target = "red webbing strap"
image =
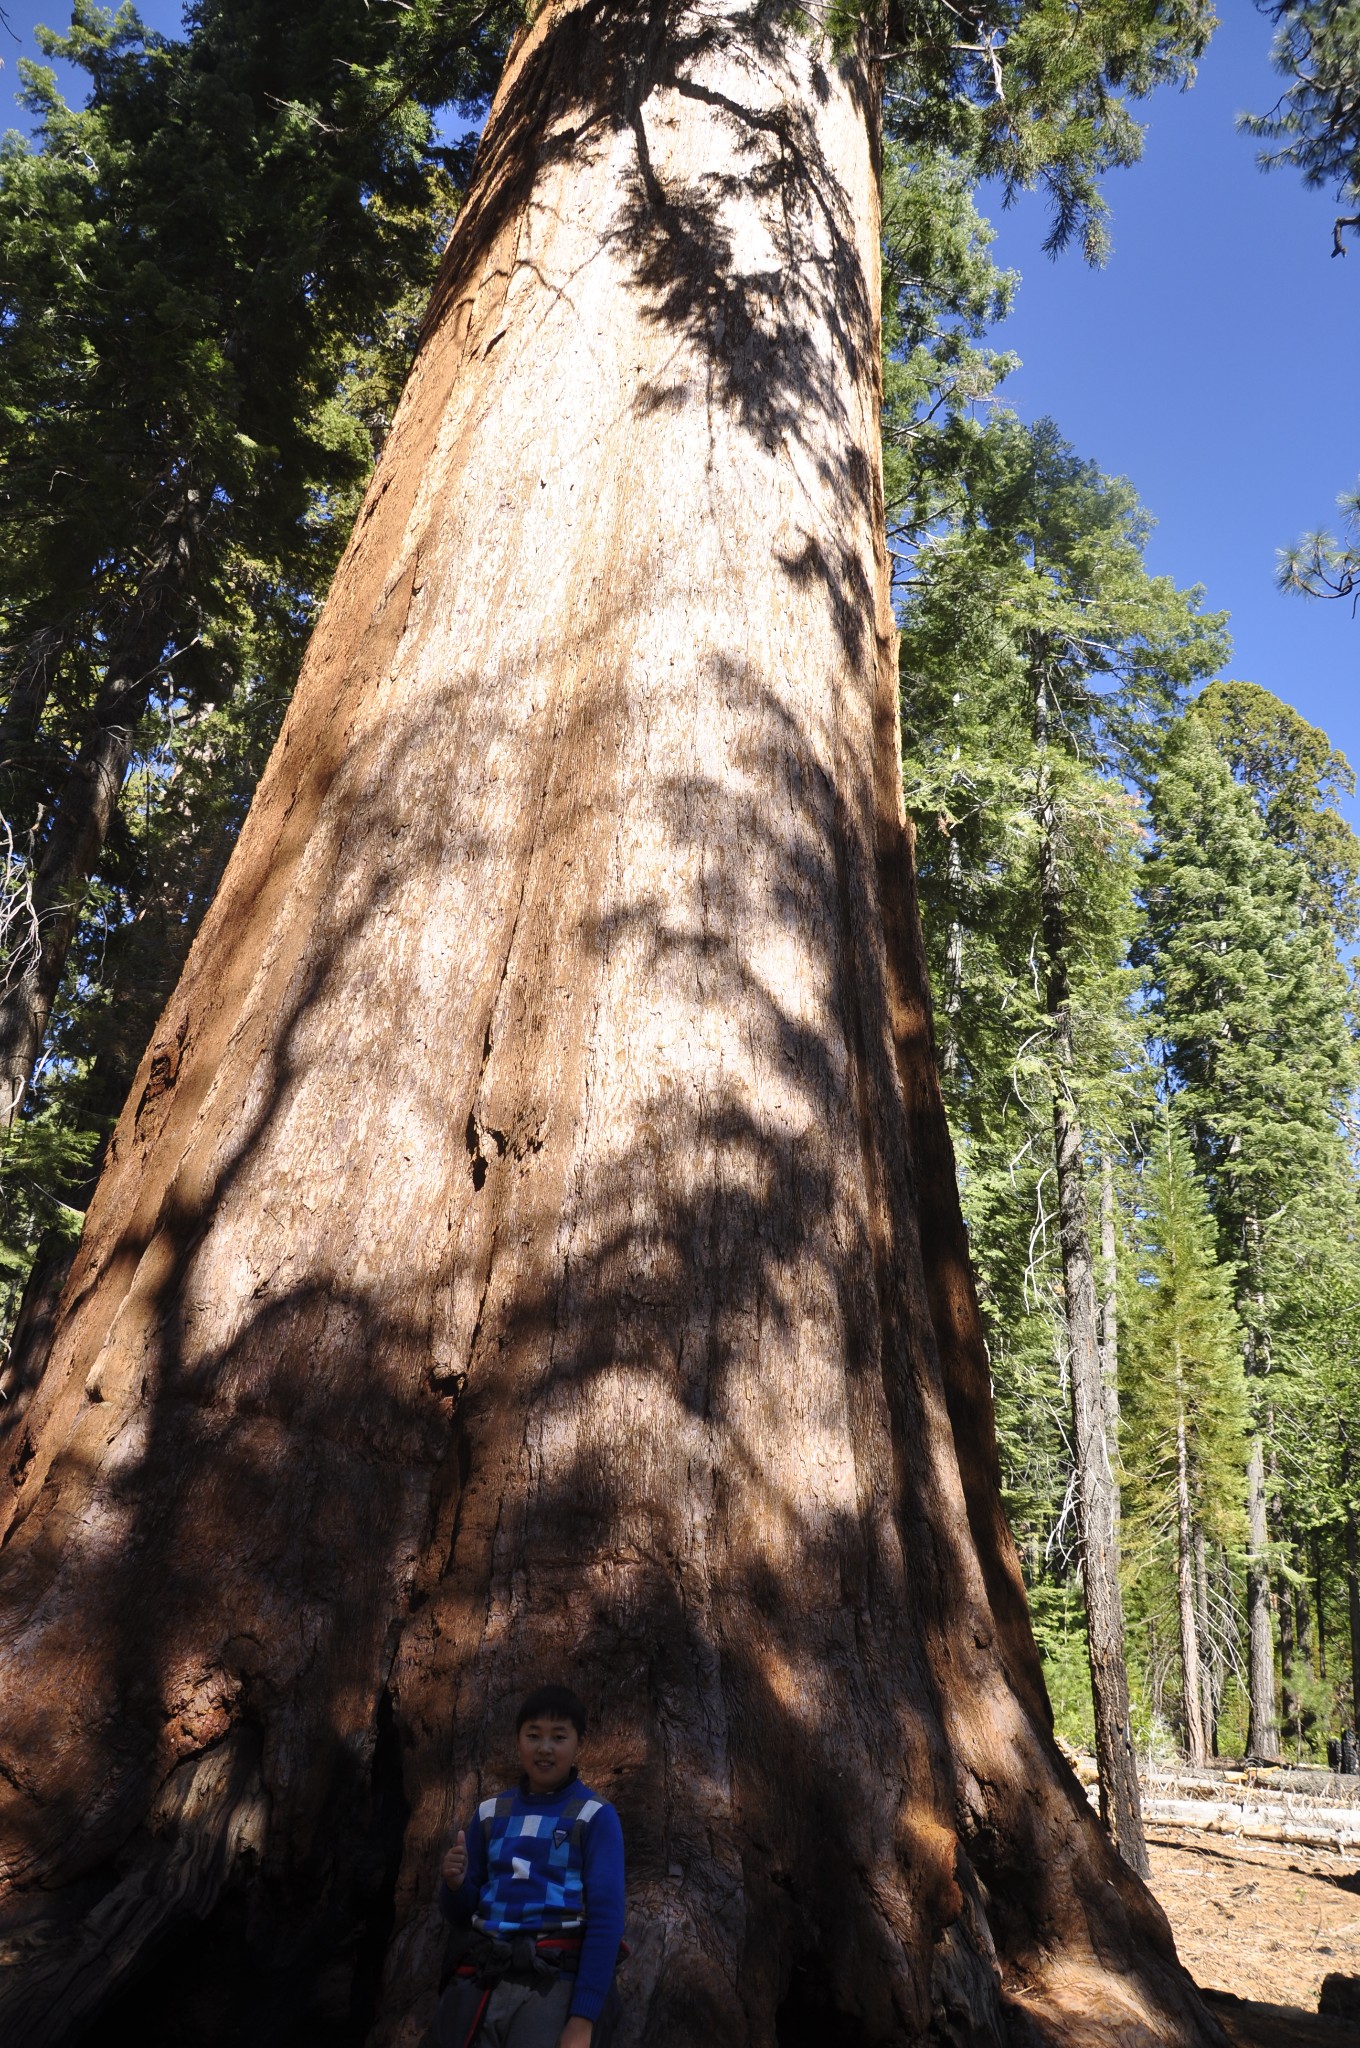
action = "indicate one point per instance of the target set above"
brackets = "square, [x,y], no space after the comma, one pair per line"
[477,2017]
[553,1944]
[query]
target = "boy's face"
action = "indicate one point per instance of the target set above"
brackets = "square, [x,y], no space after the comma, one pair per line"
[547,1750]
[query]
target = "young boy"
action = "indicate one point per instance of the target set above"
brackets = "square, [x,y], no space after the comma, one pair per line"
[538,1874]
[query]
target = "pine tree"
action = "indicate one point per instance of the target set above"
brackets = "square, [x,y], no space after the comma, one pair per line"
[941,293]
[1318,1352]
[1316,122]
[1070,649]
[190,262]
[1324,563]
[1184,1410]
[1297,779]
[1315,127]
[1251,1005]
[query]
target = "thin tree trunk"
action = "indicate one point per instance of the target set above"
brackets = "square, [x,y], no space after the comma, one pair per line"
[1289,1694]
[1196,1746]
[528,1246]
[1303,1608]
[1108,1325]
[1262,1722]
[33,672]
[1227,1593]
[953,959]
[1097,1509]
[1263,1740]
[1319,1607]
[1353,1606]
[1097,1492]
[74,840]
[1207,1676]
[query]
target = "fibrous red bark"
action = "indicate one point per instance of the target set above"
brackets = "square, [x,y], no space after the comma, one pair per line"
[531,1243]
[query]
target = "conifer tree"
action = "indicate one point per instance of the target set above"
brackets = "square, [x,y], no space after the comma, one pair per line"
[1314,128]
[1070,650]
[942,292]
[1326,563]
[190,262]
[1251,1003]
[1183,1405]
[1297,779]
[1318,1444]
[1315,125]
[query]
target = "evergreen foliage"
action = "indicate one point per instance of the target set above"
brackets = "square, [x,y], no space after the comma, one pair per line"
[1040,584]
[941,293]
[1315,124]
[1182,1397]
[1297,779]
[1250,997]
[190,263]
[1317,1438]
[1034,92]
[1251,1007]
[1315,127]
[212,278]
[1326,564]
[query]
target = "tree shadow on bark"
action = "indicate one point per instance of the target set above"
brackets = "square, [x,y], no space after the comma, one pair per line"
[232,1596]
[607,68]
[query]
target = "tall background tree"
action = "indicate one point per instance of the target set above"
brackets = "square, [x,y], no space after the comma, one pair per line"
[1183,1400]
[206,285]
[1015,746]
[212,278]
[1252,1009]
[1314,128]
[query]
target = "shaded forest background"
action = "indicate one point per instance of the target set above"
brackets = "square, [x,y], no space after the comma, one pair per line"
[1141,898]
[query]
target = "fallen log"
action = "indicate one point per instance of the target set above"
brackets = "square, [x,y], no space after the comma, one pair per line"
[1254,1819]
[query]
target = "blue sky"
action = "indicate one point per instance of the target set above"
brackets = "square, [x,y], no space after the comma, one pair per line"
[1212,361]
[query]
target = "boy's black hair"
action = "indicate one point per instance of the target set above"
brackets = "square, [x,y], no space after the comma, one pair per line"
[552,1702]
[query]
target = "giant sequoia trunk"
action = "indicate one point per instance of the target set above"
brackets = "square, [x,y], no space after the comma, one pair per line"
[530,1245]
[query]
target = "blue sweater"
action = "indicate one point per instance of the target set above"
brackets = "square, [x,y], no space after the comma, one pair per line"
[525,1876]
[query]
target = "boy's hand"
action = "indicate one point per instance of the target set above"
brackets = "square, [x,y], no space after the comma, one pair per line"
[576,2033]
[454,1868]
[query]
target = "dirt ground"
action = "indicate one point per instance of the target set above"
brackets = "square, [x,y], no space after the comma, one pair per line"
[1259,1921]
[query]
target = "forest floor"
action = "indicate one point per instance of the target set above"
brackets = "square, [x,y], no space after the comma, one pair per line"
[1258,1920]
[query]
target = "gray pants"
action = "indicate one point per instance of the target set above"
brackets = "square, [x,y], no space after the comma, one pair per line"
[516,2016]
